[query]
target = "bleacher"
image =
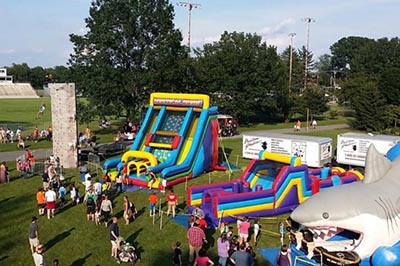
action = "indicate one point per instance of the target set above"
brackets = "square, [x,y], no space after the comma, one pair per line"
[17,90]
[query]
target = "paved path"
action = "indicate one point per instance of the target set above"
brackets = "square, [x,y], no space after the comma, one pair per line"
[43,153]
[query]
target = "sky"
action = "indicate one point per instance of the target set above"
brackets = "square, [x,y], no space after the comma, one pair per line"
[36,32]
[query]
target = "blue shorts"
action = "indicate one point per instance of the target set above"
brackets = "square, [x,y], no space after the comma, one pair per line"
[152,206]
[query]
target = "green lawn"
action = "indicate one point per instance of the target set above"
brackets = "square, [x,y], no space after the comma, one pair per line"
[22,113]
[74,241]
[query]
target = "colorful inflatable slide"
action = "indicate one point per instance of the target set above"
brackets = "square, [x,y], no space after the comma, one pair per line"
[178,140]
[271,185]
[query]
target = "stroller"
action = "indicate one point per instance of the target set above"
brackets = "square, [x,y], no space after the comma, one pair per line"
[126,253]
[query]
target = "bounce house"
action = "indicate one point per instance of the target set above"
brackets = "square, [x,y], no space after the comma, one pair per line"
[178,140]
[271,185]
[356,224]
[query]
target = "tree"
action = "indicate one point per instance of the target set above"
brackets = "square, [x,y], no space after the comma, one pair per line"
[371,110]
[131,48]
[244,76]
[345,50]
[325,70]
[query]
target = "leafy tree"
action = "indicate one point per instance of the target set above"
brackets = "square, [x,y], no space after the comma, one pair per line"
[297,69]
[324,69]
[131,48]
[371,110]
[244,76]
[20,72]
[389,85]
[345,50]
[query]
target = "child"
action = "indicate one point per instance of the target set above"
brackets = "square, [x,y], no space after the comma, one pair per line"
[177,260]
[223,227]
[152,203]
[61,194]
[202,259]
[256,231]
[97,215]
[282,232]
[40,201]
[152,178]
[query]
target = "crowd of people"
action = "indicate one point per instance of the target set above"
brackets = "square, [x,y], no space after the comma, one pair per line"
[233,247]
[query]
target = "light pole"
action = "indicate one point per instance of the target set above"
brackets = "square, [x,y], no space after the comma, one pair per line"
[308,21]
[291,35]
[190,6]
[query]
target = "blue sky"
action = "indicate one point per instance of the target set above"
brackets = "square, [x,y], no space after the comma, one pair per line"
[37,31]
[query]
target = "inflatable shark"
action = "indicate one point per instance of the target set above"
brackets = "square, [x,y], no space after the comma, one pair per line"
[368,211]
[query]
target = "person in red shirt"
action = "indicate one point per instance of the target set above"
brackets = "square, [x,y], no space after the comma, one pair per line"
[202,223]
[172,202]
[152,202]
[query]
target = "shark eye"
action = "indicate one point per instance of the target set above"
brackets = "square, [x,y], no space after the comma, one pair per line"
[325,215]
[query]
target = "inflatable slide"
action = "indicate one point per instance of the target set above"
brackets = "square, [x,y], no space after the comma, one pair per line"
[178,140]
[271,185]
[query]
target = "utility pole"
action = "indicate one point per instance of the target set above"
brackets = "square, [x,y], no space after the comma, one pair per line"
[308,21]
[291,35]
[190,6]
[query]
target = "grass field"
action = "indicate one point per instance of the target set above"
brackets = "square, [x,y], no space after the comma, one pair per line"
[74,241]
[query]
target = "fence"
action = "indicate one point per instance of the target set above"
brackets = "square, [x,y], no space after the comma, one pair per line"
[93,164]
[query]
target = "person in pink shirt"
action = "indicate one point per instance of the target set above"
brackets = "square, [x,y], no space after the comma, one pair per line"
[244,230]
[202,259]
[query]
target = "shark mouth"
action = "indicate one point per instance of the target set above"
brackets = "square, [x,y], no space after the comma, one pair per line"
[335,238]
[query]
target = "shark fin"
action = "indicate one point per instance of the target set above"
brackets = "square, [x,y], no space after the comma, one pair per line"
[376,165]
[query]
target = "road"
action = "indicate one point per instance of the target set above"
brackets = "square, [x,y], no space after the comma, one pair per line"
[44,153]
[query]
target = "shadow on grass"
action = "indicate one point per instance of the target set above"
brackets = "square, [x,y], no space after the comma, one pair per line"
[140,212]
[3,258]
[6,199]
[66,207]
[58,238]
[81,261]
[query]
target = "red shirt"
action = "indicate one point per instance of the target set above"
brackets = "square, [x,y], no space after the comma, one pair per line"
[153,199]
[202,224]
[171,197]
[202,261]
[195,236]
[125,169]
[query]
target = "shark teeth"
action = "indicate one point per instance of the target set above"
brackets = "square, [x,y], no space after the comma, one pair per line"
[322,236]
[325,233]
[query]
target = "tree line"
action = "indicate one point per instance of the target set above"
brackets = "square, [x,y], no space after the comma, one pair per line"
[132,48]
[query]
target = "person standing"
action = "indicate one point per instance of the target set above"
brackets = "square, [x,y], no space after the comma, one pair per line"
[33,234]
[284,258]
[90,200]
[244,230]
[282,233]
[97,188]
[242,257]
[38,256]
[172,202]
[41,202]
[106,209]
[45,179]
[152,203]
[195,237]
[223,247]
[3,172]
[256,231]
[177,260]
[114,235]
[50,197]
[118,182]
[127,210]
[61,194]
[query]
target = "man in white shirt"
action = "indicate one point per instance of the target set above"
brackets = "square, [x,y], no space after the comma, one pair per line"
[50,198]
[97,187]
